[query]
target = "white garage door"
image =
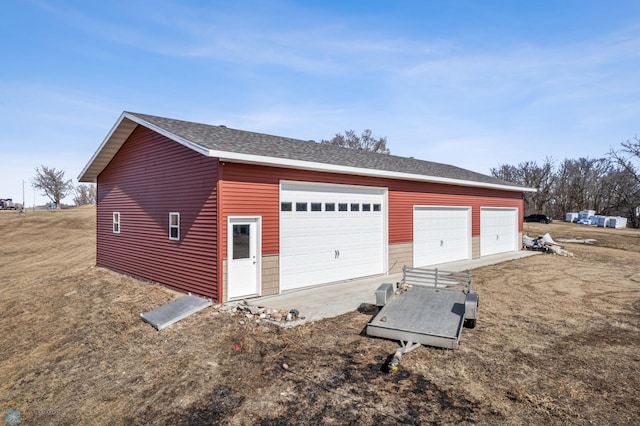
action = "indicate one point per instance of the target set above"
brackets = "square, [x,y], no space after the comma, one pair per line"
[498,230]
[330,233]
[441,234]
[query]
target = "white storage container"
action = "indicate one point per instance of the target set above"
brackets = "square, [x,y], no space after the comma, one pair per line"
[586,214]
[617,222]
[602,221]
[570,217]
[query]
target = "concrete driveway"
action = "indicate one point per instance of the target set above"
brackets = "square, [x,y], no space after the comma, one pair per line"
[331,300]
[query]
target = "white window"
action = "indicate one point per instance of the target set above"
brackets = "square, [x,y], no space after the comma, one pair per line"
[174,226]
[116,222]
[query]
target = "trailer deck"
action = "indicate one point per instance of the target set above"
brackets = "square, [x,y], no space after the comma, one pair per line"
[427,315]
[430,307]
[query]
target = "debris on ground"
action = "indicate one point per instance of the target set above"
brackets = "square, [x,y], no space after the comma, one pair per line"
[260,314]
[402,288]
[577,240]
[544,243]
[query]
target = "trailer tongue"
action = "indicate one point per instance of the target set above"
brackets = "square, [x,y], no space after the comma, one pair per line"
[429,307]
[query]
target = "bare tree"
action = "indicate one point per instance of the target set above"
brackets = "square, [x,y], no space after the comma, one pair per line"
[627,157]
[564,200]
[624,198]
[84,194]
[628,161]
[582,184]
[366,141]
[508,173]
[540,177]
[52,183]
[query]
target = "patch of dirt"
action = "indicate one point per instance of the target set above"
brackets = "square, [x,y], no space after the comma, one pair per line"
[557,342]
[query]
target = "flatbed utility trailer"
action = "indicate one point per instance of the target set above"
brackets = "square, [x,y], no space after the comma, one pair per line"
[428,307]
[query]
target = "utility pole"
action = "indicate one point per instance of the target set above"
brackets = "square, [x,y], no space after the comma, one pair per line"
[23,204]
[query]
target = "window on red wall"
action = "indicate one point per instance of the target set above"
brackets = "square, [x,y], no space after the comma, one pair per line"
[174,226]
[116,222]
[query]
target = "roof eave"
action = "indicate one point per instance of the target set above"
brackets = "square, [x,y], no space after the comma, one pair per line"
[121,130]
[333,168]
[126,124]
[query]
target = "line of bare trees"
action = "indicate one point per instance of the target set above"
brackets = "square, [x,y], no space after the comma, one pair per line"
[55,187]
[608,185]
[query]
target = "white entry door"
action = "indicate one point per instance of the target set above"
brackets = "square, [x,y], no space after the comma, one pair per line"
[243,261]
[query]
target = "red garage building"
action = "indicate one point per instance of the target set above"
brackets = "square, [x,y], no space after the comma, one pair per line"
[226,213]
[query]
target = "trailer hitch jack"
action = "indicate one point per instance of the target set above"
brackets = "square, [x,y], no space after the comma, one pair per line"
[395,361]
[406,347]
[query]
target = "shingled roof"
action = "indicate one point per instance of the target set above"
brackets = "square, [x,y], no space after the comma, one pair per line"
[257,148]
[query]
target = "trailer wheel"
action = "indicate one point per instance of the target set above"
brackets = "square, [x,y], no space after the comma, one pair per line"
[470,323]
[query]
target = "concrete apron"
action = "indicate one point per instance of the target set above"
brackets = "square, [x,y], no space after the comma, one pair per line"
[331,300]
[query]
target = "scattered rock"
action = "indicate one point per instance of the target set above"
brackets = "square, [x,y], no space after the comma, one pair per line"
[260,314]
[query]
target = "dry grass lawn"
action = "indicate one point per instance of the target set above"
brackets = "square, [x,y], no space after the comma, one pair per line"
[557,342]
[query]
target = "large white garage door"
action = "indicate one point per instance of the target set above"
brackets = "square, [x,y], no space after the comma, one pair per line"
[330,233]
[498,230]
[441,234]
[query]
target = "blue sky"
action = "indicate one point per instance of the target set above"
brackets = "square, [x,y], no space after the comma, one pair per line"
[476,84]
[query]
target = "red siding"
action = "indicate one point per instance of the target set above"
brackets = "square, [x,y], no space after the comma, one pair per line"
[254,190]
[148,178]
[404,195]
[151,176]
[251,191]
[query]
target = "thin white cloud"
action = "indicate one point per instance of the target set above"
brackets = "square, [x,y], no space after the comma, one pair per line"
[213,34]
[530,68]
[49,113]
[431,97]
